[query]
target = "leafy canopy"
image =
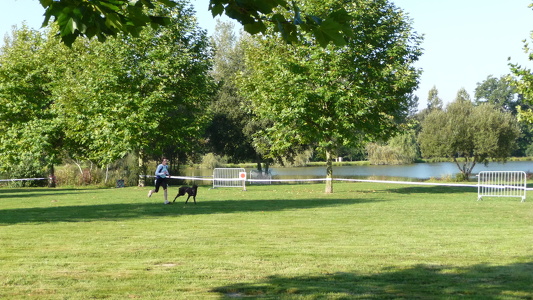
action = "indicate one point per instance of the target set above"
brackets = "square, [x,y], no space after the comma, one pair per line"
[105,18]
[327,97]
[468,134]
[98,101]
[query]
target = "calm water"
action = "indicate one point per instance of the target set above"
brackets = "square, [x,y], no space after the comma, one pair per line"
[414,171]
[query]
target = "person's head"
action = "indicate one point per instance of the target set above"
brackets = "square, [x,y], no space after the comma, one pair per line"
[165,161]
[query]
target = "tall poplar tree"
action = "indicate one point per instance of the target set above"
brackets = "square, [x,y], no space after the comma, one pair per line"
[434,101]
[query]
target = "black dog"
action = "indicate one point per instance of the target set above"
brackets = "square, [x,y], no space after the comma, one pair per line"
[191,191]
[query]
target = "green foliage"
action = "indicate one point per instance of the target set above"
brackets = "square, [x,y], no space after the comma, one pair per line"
[211,161]
[26,169]
[407,145]
[30,133]
[474,133]
[228,133]
[499,92]
[529,151]
[401,149]
[84,173]
[100,101]
[104,18]
[434,101]
[461,177]
[331,25]
[110,18]
[300,159]
[383,154]
[523,82]
[333,96]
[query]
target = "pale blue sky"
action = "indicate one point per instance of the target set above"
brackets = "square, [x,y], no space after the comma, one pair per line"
[465,40]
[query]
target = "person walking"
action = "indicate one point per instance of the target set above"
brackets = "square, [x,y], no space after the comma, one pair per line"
[161,175]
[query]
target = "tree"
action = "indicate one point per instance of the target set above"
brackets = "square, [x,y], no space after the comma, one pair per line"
[434,101]
[499,92]
[231,129]
[333,96]
[99,101]
[145,94]
[106,18]
[503,94]
[462,96]
[523,81]
[330,25]
[225,134]
[31,135]
[468,134]
[401,149]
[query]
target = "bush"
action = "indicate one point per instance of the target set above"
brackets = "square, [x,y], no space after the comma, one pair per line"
[461,177]
[26,170]
[86,173]
[384,155]
[529,150]
[211,161]
[301,159]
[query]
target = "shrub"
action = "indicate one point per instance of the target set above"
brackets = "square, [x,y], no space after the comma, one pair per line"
[86,173]
[211,161]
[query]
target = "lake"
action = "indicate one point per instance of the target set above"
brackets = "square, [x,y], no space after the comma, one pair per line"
[413,171]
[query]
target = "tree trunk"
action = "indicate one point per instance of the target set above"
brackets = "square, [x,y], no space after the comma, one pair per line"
[466,168]
[51,177]
[79,168]
[329,172]
[142,170]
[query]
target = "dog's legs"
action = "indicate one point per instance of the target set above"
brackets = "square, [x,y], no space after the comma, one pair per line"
[176,197]
[187,199]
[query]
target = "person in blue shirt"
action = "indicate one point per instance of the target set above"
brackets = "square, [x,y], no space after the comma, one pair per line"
[161,175]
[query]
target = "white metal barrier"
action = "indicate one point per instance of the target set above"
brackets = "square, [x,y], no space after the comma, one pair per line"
[502,184]
[229,177]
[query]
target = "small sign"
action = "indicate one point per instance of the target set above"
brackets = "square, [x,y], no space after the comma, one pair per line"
[242,175]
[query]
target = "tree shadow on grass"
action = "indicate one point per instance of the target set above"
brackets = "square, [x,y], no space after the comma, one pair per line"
[434,190]
[114,212]
[30,193]
[417,282]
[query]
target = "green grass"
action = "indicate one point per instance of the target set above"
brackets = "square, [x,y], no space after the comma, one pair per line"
[365,241]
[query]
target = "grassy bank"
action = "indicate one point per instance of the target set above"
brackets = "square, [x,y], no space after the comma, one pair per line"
[366,240]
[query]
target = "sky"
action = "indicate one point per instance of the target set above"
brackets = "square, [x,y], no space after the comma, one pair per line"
[464,40]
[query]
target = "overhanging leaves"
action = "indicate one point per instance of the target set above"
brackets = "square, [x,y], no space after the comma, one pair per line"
[84,18]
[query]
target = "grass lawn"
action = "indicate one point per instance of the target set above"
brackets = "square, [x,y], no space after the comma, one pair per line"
[365,241]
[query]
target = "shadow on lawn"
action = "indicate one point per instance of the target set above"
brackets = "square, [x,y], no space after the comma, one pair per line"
[418,282]
[112,212]
[30,193]
[434,190]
